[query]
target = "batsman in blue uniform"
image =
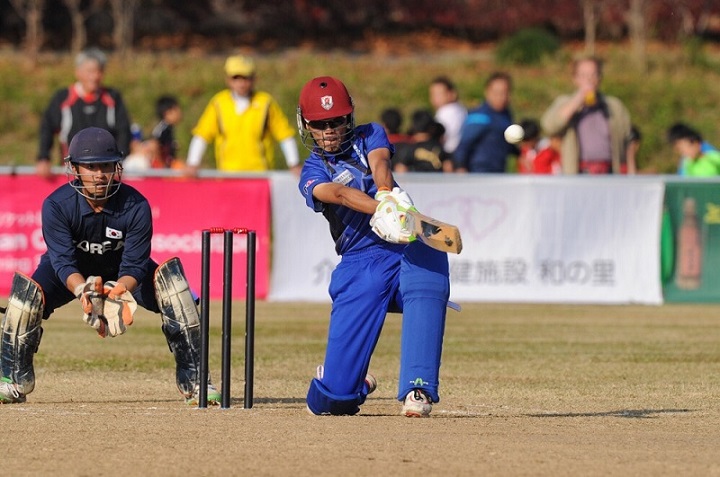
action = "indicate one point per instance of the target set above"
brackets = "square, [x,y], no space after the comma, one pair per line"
[383,269]
[98,234]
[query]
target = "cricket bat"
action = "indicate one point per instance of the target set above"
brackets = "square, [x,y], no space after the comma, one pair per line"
[434,233]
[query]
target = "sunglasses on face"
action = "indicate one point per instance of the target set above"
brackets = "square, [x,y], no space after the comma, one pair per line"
[241,77]
[332,123]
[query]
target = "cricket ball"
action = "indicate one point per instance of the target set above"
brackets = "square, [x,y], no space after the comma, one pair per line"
[514,133]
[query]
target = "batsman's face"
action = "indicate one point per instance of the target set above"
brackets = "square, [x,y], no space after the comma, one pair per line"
[329,133]
[96,178]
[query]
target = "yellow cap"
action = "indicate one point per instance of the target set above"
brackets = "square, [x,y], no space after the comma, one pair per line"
[239,66]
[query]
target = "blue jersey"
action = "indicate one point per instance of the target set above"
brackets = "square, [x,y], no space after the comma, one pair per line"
[111,243]
[350,229]
[372,278]
[482,146]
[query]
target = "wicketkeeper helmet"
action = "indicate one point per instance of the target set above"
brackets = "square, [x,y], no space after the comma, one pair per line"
[93,146]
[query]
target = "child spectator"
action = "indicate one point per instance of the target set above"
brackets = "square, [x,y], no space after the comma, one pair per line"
[547,160]
[164,152]
[688,144]
[629,165]
[538,155]
[425,152]
[529,146]
[391,119]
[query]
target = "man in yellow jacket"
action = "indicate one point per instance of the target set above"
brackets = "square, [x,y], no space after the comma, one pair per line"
[244,124]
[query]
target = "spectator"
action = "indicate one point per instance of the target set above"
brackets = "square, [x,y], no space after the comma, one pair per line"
[482,146]
[448,110]
[83,104]
[529,146]
[629,166]
[688,144]
[140,159]
[391,120]
[245,124]
[682,129]
[538,155]
[169,112]
[547,160]
[594,127]
[425,152]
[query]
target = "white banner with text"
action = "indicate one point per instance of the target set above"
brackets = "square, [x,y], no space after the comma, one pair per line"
[526,238]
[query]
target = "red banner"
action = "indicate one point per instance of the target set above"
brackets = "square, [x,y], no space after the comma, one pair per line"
[181,209]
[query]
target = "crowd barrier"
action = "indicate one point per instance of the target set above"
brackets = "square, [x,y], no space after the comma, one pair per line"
[535,239]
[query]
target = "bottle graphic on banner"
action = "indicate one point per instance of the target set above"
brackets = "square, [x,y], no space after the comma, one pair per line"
[689,251]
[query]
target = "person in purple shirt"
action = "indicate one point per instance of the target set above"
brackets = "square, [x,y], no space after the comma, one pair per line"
[98,233]
[383,269]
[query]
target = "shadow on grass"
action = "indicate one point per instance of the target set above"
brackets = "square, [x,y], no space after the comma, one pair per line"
[272,400]
[626,413]
[299,400]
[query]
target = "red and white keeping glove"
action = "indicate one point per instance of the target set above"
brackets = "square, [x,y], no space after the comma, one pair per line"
[92,301]
[120,306]
[107,308]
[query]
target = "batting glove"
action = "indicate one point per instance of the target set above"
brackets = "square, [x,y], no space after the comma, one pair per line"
[404,201]
[389,224]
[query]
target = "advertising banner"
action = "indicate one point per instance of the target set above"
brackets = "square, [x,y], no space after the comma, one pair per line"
[691,242]
[181,209]
[526,239]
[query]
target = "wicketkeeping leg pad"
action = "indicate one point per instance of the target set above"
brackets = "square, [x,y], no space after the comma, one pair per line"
[21,332]
[181,322]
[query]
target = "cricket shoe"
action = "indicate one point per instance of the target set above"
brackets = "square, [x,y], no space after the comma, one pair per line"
[370,380]
[213,396]
[9,393]
[417,404]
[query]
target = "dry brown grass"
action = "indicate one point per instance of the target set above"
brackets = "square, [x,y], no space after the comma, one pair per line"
[526,390]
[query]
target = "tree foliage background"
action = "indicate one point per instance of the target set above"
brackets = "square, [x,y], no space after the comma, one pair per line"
[269,24]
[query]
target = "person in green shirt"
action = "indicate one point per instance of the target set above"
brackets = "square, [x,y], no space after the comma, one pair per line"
[695,161]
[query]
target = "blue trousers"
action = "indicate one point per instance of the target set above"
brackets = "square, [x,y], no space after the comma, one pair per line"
[364,287]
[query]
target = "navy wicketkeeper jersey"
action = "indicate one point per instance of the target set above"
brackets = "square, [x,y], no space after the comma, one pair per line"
[111,243]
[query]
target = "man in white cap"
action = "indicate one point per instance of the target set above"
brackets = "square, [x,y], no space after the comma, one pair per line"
[244,124]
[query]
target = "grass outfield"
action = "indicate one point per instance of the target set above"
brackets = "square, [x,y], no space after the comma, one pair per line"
[526,390]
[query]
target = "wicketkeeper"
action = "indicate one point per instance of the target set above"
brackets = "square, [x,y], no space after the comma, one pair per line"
[98,233]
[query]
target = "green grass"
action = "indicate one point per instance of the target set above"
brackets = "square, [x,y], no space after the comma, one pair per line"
[541,355]
[676,86]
